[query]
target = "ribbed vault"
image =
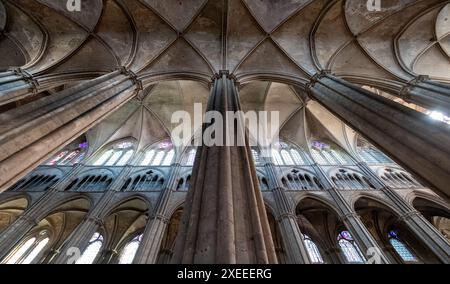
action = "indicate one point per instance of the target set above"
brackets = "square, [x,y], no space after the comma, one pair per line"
[290,39]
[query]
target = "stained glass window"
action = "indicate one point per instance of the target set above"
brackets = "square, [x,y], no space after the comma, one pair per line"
[129,251]
[124,145]
[78,159]
[158,158]
[401,248]
[35,252]
[287,158]
[191,157]
[277,158]
[169,158]
[58,157]
[318,157]
[69,158]
[21,251]
[148,158]
[28,251]
[114,158]
[102,160]
[349,247]
[125,158]
[297,158]
[91,252]
[313,250]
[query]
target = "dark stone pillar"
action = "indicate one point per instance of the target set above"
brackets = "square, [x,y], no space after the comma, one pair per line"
[287,220]
[432,95]
[225,219]
[157,225]
[15,85]
[412,218]
[411,138]
[81,236]
[31,133]
[351,219]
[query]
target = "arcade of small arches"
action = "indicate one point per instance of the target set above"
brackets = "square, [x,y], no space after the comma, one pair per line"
[118,236]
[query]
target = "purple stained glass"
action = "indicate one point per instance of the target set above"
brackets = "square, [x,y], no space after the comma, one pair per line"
[393,234]
[345,235]
[165,145]
[320,145]
[83,145]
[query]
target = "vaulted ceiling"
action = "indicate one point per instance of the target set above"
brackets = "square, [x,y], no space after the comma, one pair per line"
[290,39]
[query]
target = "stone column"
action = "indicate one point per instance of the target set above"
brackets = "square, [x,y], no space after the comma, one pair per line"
[157,224]
[415,221]
[31,133]
[287,220]
[225,219]
[432,95]
[411,138]
[350,218]
[16,84]
[81,236]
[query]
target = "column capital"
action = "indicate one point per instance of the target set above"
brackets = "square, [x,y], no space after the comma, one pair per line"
[160,217]
[96,220]
[316,77]
[286,215]
[133,76]
[349,216]
[405,91]
[30,220]
[27,77]
[408,216]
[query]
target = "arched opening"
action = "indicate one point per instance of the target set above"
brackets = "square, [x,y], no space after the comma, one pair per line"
[438,215]
[11,210]
[168,243]
[40,244]
[161,154]
[72,154]
[277,238]
[115,154]
[122,232]
[398,242]
[321,226]
[325,152]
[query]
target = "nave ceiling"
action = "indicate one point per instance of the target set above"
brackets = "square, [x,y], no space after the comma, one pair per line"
[251,38]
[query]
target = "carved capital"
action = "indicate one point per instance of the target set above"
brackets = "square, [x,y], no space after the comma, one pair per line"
[133,76]
[408,216]
[405,92]
[96,220]
[27,77]
[316,77]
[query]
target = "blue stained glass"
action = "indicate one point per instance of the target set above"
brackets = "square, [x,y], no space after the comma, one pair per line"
[401,247]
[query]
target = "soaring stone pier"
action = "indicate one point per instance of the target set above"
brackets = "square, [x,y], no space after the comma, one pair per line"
[31,133]
[411,138]
[225,219]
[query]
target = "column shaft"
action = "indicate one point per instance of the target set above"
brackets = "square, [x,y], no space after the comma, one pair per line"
[432,95]
[224,220]
[409,137]
[415,221]
[31,133]
[351,219]
[291,234]
[157,225]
